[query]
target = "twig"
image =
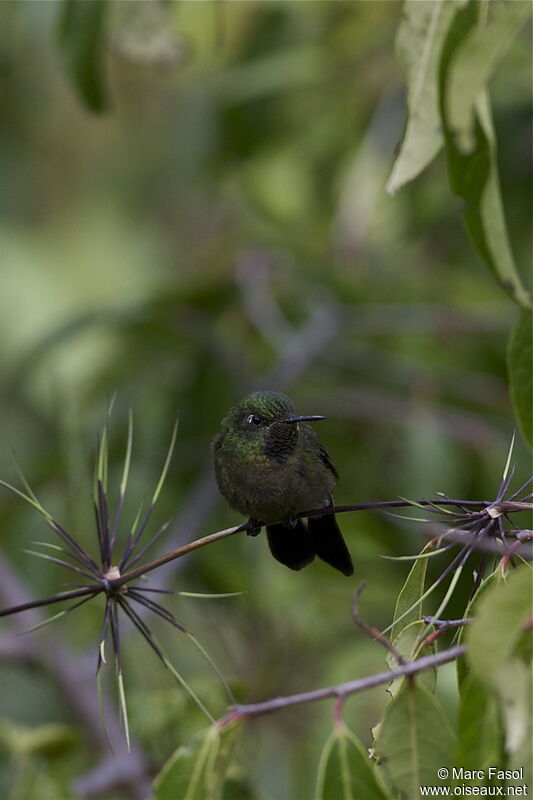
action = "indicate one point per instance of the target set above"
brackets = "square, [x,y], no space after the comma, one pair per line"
[442,626]
[373,632]
[351,687]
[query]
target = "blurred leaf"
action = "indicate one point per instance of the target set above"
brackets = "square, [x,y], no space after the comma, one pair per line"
[237,786]
[478,727]
[410,592]
[49,741]
[475,62]
[346,771]
[463,669]
[500,618]
[515,703]
[414,740]
[520,368]
[197,771]
[420,40]
[474,175]
[407,643]
[279,71]
[522,755]
[35,781]
[81,44]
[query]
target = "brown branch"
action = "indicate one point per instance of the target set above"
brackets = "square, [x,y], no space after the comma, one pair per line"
[351,687]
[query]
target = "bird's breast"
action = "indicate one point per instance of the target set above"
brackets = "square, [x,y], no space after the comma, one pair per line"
[268,489]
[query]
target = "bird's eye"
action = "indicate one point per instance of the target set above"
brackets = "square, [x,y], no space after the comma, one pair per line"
[254,419]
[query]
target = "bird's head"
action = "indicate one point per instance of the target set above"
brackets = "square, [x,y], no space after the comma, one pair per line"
[266,421]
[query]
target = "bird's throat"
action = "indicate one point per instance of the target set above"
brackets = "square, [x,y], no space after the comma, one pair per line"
[281,441]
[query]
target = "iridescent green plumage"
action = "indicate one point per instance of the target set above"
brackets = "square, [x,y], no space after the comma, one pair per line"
[271,466]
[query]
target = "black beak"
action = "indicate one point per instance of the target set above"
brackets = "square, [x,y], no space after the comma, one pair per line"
[313,418]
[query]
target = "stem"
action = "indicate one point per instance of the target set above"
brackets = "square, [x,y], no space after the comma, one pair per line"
[351,687]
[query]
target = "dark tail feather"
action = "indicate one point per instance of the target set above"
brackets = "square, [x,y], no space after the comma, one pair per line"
[329,544]
[293,547]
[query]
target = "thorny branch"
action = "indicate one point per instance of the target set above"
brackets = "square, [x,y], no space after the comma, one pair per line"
[487,508]
[460,533]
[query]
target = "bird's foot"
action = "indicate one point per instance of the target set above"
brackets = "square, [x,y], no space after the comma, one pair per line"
[253,527]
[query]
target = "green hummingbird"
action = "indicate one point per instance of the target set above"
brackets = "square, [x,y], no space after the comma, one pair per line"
[270,466]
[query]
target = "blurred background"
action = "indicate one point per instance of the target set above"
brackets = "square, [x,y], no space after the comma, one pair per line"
[222,226]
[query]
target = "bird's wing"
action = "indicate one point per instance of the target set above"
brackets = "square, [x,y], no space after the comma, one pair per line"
[326,460]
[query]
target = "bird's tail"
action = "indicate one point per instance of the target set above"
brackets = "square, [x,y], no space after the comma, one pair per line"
[291,544]
[295,546]
[328,543]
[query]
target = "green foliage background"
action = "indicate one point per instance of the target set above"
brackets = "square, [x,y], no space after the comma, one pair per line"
[220,224]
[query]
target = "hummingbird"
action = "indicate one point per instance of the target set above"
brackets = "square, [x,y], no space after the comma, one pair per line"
[270,465]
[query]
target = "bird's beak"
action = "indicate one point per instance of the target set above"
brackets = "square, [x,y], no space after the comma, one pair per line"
[313,418]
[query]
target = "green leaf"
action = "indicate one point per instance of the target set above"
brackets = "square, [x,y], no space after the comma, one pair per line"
[520,369]
[346,772]
[474,174]
[478,727]
[476,60]
[81,44]
[463,670]
[415,739]
[198,771]
[420,39]
[407,644]
[410,592]
[496,630]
